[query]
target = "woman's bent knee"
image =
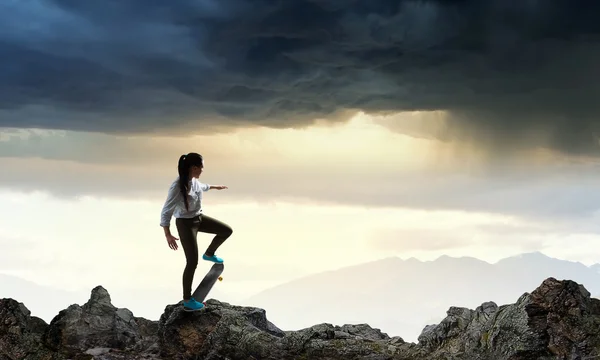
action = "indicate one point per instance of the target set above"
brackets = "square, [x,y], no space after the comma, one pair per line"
[227,231]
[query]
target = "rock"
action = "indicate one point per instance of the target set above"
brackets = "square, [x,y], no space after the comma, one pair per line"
[461,329]
[325,341]
[225,331]
[97,351]
[21,334]
[98,324]
[558,320]
[566,318]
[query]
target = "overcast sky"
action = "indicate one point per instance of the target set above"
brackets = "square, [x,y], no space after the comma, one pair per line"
[346,131]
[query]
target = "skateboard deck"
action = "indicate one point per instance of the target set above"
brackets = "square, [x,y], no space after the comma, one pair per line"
[208,282]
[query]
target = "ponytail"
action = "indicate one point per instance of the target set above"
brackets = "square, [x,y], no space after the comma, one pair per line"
[184,174]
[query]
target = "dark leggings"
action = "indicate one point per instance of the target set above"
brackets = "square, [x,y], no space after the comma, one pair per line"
[188,230]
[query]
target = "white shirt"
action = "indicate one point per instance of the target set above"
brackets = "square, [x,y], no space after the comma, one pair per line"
[174,205]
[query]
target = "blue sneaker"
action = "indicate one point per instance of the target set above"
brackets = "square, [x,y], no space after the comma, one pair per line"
[192,305]
[213,258]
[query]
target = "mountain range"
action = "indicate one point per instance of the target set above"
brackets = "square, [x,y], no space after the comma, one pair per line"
[402,297]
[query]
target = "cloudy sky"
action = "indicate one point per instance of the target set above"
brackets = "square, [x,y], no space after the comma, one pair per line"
[347,131]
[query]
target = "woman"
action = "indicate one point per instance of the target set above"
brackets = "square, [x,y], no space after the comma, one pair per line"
[190,219]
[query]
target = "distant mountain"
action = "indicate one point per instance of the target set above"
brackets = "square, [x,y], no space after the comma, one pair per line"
[43,301]
[401,297]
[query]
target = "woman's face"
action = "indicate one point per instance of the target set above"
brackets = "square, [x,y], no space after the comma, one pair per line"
[195,171]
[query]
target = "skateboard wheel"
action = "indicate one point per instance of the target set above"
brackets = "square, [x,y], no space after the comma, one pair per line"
[220,278]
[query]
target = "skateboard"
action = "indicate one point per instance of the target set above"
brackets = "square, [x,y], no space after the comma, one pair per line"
[208,282]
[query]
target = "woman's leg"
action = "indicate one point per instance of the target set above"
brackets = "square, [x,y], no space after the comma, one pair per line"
[188,230]
[213,226]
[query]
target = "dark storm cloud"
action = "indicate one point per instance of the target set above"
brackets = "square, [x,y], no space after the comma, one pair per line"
[508,72]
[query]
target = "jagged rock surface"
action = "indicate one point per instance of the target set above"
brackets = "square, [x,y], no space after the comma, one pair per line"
[225,331]
[99,325]
[558,320]
[21,334]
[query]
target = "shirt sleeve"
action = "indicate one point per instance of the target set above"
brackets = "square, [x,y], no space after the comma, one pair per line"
[204,187]
[173,196]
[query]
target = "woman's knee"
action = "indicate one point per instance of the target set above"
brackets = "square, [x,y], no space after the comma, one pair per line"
[191,263]
[191,260]
[227,231]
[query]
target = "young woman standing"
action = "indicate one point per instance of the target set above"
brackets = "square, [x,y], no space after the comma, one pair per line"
[184,202]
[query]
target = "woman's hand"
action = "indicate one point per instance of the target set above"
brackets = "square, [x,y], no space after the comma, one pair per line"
[218,187]
[171,240]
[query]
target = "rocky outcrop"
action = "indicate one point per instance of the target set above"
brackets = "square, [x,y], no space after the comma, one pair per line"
[83,332]
[98,326]
[558,320]
[21,334]
[226,331]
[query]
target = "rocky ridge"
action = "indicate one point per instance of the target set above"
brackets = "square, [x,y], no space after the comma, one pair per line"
[557,320]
